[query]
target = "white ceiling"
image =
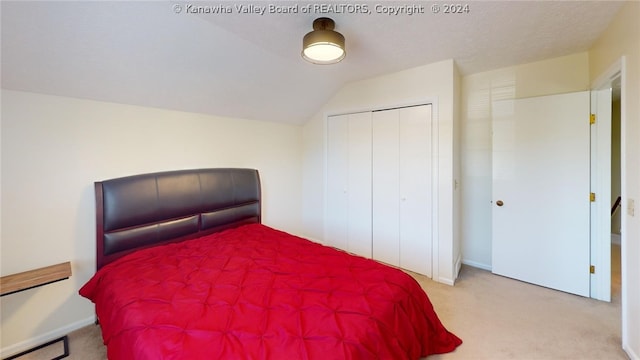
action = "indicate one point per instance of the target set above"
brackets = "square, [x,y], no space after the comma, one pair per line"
[249,65]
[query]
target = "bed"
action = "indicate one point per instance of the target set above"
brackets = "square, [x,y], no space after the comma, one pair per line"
[187,270]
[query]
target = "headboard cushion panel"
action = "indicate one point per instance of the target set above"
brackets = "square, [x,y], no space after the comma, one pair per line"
[150,234]
[149,209]
[219,218]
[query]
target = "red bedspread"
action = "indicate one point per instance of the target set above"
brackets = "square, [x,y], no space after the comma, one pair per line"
[258,293]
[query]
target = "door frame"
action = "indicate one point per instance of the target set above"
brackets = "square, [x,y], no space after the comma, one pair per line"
[615,70]
[601,177]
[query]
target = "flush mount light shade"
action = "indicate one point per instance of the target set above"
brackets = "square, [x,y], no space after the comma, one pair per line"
[323,45]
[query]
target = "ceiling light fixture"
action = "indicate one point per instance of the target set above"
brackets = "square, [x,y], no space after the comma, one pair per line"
[323,45]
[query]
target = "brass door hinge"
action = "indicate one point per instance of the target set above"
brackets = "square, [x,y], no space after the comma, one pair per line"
[592,119]
[592,197]
[592,269]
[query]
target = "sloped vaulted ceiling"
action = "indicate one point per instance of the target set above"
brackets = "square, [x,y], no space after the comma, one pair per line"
[246,64]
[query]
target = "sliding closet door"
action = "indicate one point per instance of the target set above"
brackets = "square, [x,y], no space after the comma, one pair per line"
[415,189]
[348,215]
[386,186]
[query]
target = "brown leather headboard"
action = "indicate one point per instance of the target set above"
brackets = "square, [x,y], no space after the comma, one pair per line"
[146,210]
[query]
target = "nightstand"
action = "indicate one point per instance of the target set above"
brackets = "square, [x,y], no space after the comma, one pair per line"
[11,284]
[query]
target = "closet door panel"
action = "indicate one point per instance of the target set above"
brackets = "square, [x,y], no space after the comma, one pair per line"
[336,217]
[386,205]
[359,184]
[415,189]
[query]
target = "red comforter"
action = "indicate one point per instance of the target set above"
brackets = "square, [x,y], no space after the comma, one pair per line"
[258,293]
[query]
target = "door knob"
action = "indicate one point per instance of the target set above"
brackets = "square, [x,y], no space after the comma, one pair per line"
[499,203]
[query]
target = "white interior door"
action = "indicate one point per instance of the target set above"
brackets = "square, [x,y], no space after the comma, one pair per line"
[541,191]
[359,184]
[415,189]
[336,217]
[386,186]
[348,204]
[402,188]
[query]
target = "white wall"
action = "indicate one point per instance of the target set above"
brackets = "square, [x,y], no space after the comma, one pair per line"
[622,38]
[54,148]
[433,81]
[554,76]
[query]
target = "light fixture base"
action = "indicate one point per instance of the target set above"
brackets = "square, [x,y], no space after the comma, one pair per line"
[324,23]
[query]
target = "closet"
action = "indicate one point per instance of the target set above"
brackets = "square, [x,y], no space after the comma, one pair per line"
[379,185]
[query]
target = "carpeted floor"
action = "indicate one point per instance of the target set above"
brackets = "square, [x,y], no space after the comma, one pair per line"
[500,318]
[496,317]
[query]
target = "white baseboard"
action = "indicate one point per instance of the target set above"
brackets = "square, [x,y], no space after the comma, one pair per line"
[476,264]
[632,355]
[43,338]
[445,281]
